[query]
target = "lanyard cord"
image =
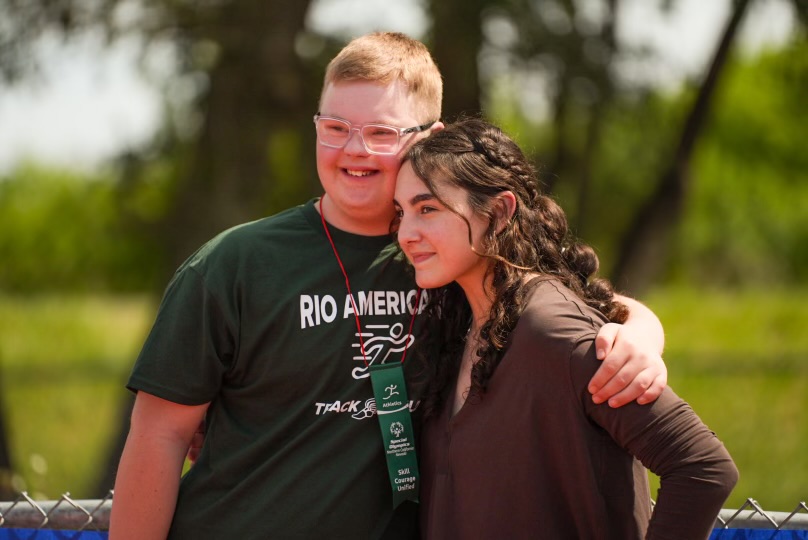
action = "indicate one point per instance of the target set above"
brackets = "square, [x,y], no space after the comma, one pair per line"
[353,304]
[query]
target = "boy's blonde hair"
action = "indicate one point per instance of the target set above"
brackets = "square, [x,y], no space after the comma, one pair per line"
[385,57]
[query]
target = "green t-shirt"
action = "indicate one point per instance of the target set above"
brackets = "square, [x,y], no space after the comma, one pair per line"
[259,323]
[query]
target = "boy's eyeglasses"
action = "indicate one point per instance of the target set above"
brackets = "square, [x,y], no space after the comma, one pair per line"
[377,138]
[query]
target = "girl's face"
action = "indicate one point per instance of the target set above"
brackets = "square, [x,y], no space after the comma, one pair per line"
[434,238]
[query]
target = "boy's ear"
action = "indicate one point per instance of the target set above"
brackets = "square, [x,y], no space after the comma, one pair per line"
[437,126]
[504,209]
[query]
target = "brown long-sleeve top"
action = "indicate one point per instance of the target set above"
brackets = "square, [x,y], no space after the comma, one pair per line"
[536,458]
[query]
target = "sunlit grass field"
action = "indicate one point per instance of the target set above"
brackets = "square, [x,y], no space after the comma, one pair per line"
[63,365]
[741,360]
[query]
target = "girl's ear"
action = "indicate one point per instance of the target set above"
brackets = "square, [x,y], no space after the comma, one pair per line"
[504,209]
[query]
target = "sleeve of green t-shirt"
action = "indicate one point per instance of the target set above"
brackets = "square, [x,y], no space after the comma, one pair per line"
[190,346]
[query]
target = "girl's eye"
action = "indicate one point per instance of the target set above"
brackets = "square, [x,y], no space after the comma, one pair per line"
[427,209]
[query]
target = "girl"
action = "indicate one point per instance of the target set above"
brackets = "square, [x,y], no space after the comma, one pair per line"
[513,446]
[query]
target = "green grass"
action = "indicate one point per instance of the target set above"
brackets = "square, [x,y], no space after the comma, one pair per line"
[63,364]
[741,360]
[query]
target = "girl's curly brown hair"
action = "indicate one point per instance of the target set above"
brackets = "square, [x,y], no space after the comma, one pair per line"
[479,158]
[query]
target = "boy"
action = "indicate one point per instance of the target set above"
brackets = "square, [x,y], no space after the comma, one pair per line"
[258,334]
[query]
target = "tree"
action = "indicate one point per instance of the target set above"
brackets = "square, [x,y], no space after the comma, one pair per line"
[646,245]
[6,470]
[456,40]
[747,217]
[563,51]
[255,93]
[251,89]
[252,100]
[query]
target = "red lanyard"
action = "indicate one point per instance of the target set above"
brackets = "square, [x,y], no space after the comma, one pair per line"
[350,295]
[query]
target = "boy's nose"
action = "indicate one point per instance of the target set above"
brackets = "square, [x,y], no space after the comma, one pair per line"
[355,145]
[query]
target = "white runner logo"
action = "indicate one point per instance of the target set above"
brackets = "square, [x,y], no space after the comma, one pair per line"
[378,348]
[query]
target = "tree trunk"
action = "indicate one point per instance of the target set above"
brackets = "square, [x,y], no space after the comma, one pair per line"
[456,40]
[560,155]
[801,8]
[594,128]
[256,90]
[6,490]
[645,248]
[256,96]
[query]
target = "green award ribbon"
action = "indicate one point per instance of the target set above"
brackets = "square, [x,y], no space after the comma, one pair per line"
[393,410]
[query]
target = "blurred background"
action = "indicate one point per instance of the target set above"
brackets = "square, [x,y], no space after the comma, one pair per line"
[673,132]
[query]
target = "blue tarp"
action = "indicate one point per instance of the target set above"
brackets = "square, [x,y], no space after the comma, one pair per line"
[49,534]
[756,534]
[718,534]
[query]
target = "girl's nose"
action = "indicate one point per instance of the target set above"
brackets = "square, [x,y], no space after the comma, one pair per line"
[406,230]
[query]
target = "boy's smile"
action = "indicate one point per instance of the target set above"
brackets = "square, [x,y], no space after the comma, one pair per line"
[359,185]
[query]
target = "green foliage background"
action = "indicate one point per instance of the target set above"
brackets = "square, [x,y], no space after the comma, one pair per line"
[61,231]
[746,218]
[752,184]
[78,277]
[745,224]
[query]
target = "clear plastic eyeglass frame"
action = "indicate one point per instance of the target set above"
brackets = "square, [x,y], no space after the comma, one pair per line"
[380,139]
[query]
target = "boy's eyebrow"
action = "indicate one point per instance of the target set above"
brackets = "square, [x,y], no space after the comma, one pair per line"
[381,122]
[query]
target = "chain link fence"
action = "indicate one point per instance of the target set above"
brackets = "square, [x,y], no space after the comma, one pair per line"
[752,516]
[81,515]
[66,513]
